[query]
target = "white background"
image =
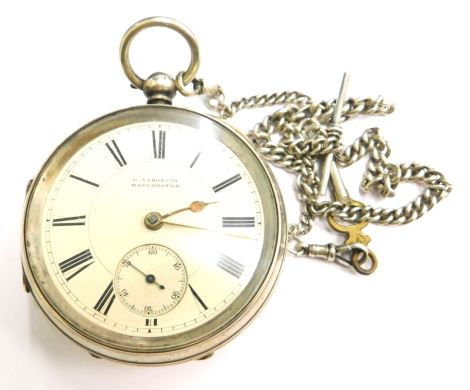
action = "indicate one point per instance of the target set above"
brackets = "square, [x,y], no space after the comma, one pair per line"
[325,327]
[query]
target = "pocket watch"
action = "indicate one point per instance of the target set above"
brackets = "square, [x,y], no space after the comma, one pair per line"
[155,234]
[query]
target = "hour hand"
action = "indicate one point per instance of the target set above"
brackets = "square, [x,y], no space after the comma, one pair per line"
[195,207]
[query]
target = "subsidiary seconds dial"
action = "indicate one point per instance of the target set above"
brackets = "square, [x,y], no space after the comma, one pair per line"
[150,280]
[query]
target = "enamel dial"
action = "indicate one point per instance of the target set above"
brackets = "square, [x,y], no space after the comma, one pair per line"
[153,235]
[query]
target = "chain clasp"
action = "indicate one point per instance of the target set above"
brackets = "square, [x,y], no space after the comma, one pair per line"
[359,255]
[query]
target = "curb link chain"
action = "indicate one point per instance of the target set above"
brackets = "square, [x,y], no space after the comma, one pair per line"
[305,134]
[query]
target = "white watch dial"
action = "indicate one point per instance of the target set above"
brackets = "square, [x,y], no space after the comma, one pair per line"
[95,222]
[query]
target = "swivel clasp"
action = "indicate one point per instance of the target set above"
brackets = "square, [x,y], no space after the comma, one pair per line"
[354,255]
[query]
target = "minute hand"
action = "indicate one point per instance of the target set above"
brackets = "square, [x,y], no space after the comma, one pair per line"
[207,230]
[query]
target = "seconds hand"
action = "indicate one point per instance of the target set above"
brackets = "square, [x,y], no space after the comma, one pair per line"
[149,278]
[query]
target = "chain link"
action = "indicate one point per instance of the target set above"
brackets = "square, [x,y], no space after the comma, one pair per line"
[304,132]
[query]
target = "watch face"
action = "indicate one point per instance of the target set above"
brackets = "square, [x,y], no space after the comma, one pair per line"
[153,235]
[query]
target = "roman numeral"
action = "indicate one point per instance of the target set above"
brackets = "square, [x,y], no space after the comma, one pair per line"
[84,181]
[114,150]
[198,298]
[151,322]
[231,266]
[195,159]
[69,221]
[226,183]
[237,222]
[106,300]
[74,261]
[159,152]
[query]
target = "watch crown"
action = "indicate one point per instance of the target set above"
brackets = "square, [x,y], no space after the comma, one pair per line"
[160,88]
